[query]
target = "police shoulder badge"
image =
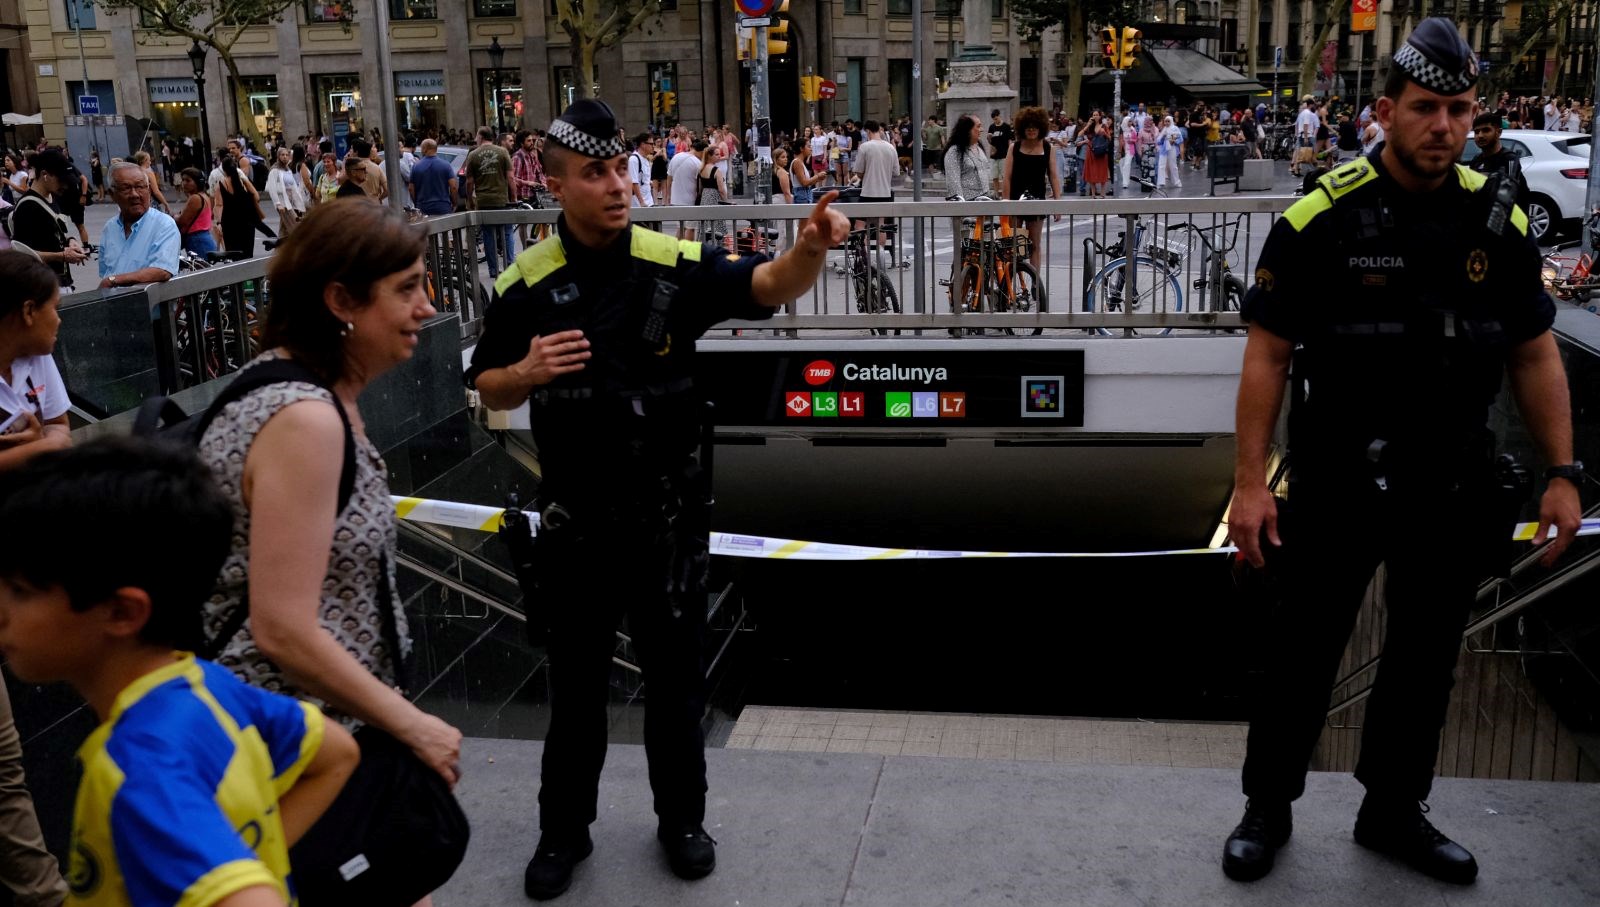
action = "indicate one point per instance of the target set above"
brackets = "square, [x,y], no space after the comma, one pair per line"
[1264,280]
[1477,265]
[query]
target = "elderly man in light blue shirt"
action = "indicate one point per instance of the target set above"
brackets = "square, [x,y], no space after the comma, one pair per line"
[140,244]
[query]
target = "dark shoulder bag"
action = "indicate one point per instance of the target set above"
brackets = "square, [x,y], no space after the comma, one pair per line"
[395,833]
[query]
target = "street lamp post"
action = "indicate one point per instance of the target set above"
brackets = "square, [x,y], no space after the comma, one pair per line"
[197,59]
[497,56]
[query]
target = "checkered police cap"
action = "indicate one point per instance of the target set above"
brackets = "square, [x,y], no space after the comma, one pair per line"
[1436,57]
[589,128]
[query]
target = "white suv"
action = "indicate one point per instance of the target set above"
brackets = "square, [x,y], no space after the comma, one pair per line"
[1556,165]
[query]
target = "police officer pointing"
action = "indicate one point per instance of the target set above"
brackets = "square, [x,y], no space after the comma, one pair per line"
[595,328]
[1400,292]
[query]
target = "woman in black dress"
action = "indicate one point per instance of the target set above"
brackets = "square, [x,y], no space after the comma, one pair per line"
[238,207]
[1028,171]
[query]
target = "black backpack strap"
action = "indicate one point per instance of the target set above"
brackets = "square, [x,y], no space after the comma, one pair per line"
[279,371]
[157,413]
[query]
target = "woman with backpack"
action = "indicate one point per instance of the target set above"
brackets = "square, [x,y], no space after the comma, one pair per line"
[306,603]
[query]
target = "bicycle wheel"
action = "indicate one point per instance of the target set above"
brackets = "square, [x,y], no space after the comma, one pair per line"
[876,296]
[966,297]
[1156,289]
[1027,292]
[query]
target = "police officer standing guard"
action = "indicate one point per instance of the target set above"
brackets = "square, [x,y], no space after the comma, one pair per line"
[596,328]
[1400,291]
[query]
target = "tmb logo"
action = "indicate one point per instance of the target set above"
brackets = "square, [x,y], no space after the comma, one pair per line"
[819,373]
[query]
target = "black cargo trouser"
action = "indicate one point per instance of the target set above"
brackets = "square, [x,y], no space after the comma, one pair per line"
[587,587]
[1437,545]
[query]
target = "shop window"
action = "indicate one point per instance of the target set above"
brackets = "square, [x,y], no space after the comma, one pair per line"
[339,113]
[400,10]
[261,93]
[500,93]
[329,10]
[565,84]
[491,8]
[80,14]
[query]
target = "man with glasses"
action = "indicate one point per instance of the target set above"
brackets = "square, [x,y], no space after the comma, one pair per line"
[140,244]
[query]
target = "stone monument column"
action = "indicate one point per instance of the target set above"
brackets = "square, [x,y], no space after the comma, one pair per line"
[978,78]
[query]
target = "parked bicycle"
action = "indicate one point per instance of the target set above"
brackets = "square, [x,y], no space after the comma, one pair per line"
[1220,290]
[871,288]
[210,343]
[1140,282]
[1569,270]
[993,273]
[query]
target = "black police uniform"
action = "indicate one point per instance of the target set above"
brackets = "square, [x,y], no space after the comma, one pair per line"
[1403,307]
[622,498]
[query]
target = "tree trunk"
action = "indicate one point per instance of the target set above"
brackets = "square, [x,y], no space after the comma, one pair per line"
[1331,12]
[586,72]
[1076,35]
[1529,33]
[241,101]
[1552,81]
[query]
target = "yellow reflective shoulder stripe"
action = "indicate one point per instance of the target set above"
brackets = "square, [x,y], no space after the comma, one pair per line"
[689,249]
[654,247]
[1471,179]
[1301,212]
[507,279]
[1519,220]
[541,260]
[1347,178]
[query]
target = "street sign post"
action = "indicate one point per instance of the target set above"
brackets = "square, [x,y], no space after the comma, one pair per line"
[756,8]
[827,89]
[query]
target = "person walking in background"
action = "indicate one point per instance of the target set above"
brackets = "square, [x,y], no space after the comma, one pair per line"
[1169,155]
[433,183]
[489,166]
[97,175]
[238,209]
[1028,173]
[195,222]
[35,221]
[283,186]
[142,158]
[1097,169]
[683,181]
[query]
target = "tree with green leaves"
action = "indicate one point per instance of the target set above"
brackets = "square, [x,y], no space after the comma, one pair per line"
[217,24]
[594,25]
[1079,19]
[1538,19]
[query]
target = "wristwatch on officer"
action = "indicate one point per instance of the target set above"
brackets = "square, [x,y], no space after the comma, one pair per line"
[1572,472]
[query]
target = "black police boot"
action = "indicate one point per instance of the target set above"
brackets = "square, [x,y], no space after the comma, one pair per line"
[1400,829]
[691,852]
[1254,844]
[549,873]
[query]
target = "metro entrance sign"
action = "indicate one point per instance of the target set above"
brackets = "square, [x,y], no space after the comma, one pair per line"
[754,8]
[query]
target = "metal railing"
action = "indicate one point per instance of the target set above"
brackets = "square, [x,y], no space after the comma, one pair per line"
[208,322]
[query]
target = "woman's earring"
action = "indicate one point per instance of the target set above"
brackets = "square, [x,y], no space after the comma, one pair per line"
[348,329]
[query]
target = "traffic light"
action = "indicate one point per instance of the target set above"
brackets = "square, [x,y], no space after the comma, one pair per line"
[809,86]
[778,31]
[1129,47]
[655,102]
[669,102]
[1108,46]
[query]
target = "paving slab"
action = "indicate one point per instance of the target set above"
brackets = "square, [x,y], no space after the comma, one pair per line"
[820,828]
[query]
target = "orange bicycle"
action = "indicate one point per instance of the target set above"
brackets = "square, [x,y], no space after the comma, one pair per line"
[994,274]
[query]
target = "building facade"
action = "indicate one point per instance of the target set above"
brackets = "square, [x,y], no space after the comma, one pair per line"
[312,72]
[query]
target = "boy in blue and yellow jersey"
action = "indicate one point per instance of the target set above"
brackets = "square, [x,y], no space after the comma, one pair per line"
[194,785]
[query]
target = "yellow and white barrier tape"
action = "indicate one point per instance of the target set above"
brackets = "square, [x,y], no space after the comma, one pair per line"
[733,544]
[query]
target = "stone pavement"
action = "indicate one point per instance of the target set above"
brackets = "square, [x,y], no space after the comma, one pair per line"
[811,828]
